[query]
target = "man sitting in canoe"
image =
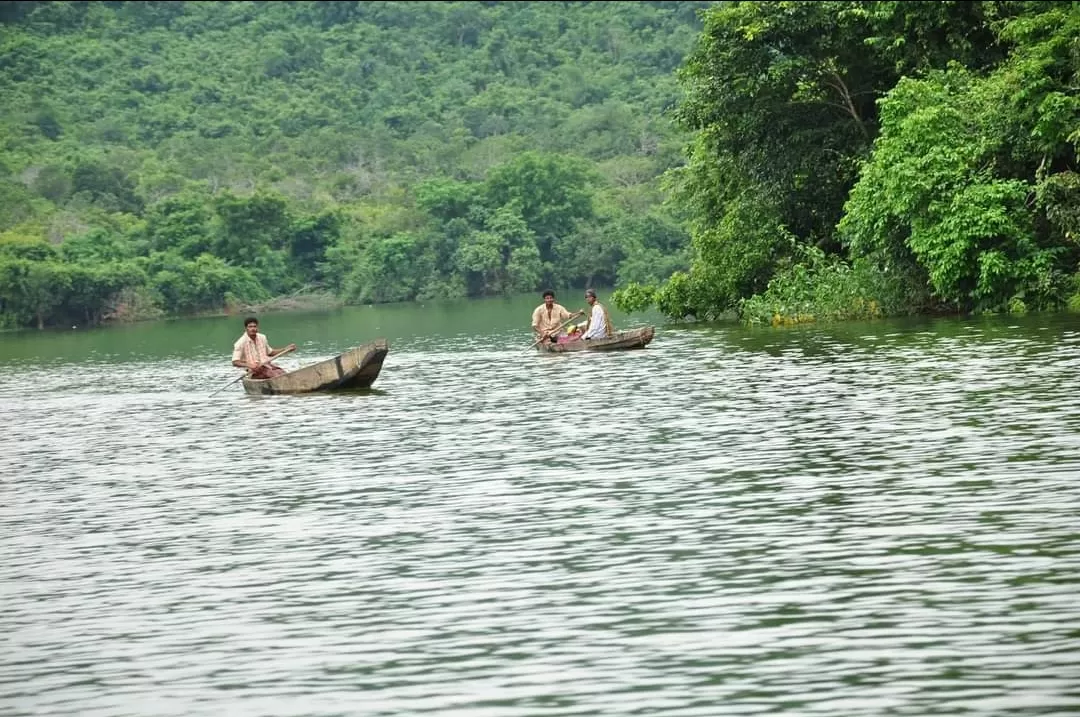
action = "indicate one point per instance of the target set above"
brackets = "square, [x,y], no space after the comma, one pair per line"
[253,352]
[549,317]
[599,326]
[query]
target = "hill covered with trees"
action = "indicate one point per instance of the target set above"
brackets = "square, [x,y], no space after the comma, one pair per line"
[181,157]
[780,161]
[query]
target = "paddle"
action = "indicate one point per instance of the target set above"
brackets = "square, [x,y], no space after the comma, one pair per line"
[230,383]
[565,323]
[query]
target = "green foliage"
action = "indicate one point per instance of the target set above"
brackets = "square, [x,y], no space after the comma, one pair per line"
[445,199]
[97,246]
[634,297]
[550,193]
[390,269]
[630,247]
[205,284]
[900,156]
[247,225]
[819,287]
[921,36]
[387,151]
[29,248]
[524,269]
[17,204]
[51,292]
[958,182]
[105,185]
[782,95]
[686,294]
[308,239]
[1059,197]
[180,223]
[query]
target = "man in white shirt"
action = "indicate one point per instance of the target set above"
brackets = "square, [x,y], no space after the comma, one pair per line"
[252,351]
[599,326]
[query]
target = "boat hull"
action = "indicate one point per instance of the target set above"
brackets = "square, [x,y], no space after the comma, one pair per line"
[356,368]
[619,341]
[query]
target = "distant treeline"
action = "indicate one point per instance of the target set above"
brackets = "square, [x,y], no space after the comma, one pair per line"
[184,157]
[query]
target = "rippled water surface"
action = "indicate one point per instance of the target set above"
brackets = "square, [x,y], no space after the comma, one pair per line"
[870,519]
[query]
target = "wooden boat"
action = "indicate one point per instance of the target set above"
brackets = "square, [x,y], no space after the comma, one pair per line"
[356,368]
[619,341]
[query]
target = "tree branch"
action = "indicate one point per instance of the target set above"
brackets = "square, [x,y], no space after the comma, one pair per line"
[849,102]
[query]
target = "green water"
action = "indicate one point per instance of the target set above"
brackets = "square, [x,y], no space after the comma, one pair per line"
[860,519]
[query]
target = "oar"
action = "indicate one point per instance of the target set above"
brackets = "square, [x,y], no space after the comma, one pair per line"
[565,323]
[230,383]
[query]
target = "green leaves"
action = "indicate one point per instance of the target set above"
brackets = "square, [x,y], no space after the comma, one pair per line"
[550,192]
[204,284]
[966,178]
[387,150]
[884,155]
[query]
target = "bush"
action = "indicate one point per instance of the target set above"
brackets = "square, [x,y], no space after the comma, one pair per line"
[824,288]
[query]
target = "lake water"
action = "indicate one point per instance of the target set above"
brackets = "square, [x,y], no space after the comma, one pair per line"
[862,519]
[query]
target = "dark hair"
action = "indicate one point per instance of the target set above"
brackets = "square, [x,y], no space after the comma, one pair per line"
[590,292]
[250,320]
[548,293]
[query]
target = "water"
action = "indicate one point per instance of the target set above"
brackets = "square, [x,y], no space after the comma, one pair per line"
[866,519]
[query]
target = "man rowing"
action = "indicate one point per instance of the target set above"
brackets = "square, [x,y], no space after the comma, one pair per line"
[252,351]
[549,317]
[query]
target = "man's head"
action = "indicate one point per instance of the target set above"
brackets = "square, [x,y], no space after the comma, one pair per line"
[549,298]
[590,296]
[251,326]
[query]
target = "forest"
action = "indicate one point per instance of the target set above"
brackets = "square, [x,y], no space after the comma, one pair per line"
[854,160]
[778,162]
[177,158]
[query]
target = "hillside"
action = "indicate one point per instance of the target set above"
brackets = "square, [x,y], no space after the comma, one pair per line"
[177,157]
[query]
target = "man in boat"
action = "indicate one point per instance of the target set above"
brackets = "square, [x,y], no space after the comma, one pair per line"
[548,318]
[252,351]
[599,325]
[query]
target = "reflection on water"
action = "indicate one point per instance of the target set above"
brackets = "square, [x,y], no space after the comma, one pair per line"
[857,520]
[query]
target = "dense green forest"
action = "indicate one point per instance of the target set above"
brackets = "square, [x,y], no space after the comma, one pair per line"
[778,161]
[861,159]
[165,158]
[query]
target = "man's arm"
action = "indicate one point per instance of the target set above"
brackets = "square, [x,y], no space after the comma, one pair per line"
[568,316]
[238,357]
[250,365]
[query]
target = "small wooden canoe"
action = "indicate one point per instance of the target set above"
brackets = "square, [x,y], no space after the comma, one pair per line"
[619,341]
[356,368]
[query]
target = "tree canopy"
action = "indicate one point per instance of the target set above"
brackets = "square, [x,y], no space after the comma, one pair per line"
[778,161]
[217,153]
[870,158]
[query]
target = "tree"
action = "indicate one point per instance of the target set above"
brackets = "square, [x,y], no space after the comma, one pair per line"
[549,192]
[962,185]
[285,137]
[180,223]
[109,186]
[309,238]
[246,224]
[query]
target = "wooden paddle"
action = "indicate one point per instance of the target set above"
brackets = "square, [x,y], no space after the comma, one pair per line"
[230,383]
[573,316]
